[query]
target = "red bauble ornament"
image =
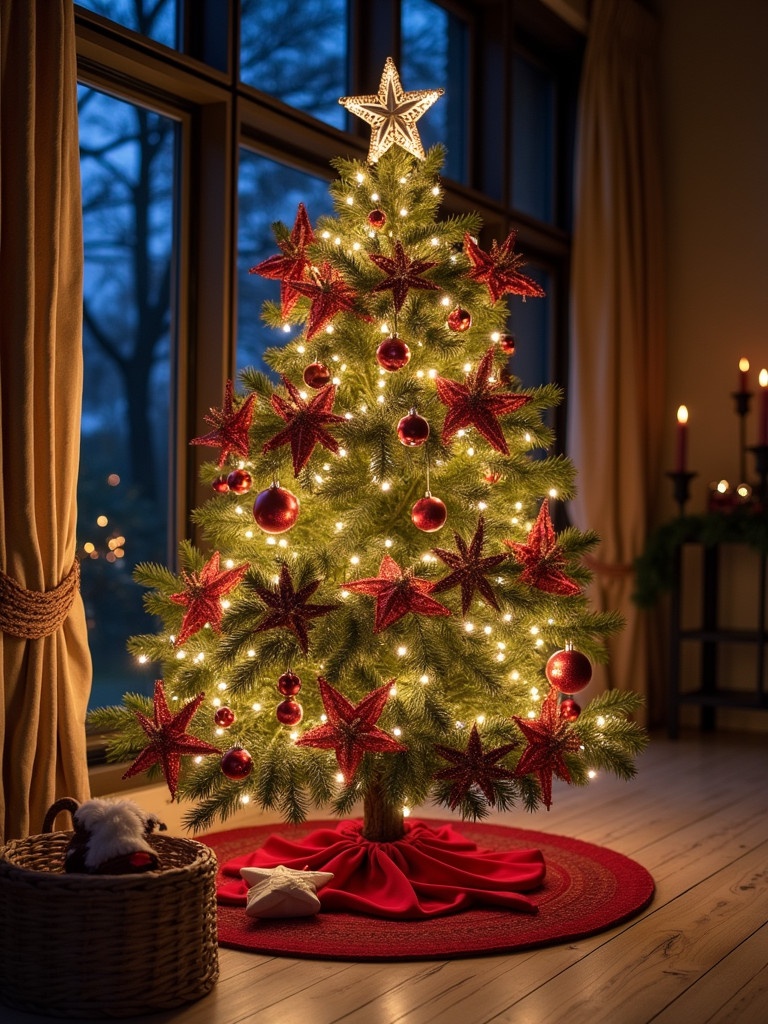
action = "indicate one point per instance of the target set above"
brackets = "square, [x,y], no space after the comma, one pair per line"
[377,219]
[316,376]
[569,710]
[239,481]
[220,485]
[429,514]
[276,510]
[237,764]
[413,430]
[224,717]
[393,354]
[507,344]
[289,684]
[459,320]
[289,712]
[569,670]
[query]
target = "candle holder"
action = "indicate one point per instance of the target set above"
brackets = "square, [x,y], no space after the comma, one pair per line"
[742,400]
[760,451]
[681,486]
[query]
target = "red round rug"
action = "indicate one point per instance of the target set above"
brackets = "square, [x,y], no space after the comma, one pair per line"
[587,889]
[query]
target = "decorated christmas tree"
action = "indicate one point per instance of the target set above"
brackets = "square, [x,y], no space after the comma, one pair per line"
[383,614]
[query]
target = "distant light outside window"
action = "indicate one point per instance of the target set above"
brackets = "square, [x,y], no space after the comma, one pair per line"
[297,51]
[434,56]
[531,324]
[127,168]
[156,19]
[533,151]
[268,191]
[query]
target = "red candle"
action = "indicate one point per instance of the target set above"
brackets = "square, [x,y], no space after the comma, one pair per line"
[762,431]
[743,375]
[682,439]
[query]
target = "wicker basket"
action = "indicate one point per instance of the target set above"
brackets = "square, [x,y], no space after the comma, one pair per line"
[98,946]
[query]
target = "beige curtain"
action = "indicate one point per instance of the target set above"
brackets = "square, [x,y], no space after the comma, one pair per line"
[617,369]
[45,681]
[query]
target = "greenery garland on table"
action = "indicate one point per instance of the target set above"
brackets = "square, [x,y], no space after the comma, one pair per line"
[655,568]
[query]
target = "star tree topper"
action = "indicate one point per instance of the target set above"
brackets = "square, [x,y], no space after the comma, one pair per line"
[293,264]
[392,114]
[306,423]
[473,767]
[202,596]
[542,558]
[231,425]
[351,729]
[397,592]
[169,740]
[549,737]
[290,608]
[499,268]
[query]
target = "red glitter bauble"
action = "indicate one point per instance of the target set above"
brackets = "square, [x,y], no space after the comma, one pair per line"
[569,670]
[276,510]
[429,514]
[413,430]
[224,717]
[316,376]
[289,684]
[239,481]
[507,344]
[237,764]
[377,219]
[393,354]
[459,320]
[220,485]
[289,712]
[569,710]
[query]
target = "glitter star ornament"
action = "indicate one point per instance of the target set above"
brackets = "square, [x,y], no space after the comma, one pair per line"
[306,423]
[549,737]
[542,558]
[290,609]
[473,767]
[469,569]
[498,269]
[292,265]
[392,114]
[478,403]
[283,892]
[329,294]
[397,592]
[169,740]
[232,426]
[202,596]
[351,729]
[403,273]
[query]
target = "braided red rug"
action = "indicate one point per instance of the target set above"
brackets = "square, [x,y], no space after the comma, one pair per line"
[586,889]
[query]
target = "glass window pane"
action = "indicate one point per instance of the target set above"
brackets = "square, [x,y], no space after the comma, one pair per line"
[434,56]
[127,168]
[268,191]
[533,151]
[296,50]
[532,326]
[156,19]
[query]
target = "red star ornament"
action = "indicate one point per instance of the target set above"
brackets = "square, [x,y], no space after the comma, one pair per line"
[397,592]
[351,729]
[169,740]
[478,403]
[293,263]
[289,608]
[498,269]
[202,596]
[549,737]
[231,425]
[542,559]
[469,569]
[403,273]
[329,294]
[305,423]
[473,767]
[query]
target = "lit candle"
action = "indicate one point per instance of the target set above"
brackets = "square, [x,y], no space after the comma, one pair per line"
[743,375]
[762,436]
[682,439]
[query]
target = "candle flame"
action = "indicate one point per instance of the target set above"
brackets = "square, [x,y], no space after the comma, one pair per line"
[743,365]
[763,378]
[682,412]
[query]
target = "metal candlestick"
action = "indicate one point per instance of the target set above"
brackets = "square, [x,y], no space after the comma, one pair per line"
[681,486]
[742,400]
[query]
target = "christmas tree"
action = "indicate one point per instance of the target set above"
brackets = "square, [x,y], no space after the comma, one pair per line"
[384,614]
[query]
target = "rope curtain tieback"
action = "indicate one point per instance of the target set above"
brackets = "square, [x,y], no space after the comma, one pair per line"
[34,614]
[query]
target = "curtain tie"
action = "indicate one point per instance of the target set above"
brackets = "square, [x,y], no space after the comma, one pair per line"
[34,614]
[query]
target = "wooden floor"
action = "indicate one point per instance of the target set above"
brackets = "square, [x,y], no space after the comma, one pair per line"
[696,816]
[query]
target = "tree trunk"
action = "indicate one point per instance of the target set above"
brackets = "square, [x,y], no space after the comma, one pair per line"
[382,820]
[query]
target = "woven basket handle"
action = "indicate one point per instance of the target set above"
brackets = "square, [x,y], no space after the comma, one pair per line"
[66,803]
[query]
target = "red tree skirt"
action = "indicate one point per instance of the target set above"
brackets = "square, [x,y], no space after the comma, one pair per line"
[586,889]
[431,871]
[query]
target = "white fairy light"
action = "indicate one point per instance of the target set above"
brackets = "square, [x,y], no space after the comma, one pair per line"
[388,542]
[251,652]
[271,540]
[469,627]
[375,196]
[142,659]
[385,486]
[244,798]
[301,349]
[216,702]
[230,564]
[345,594]
[424,679]
[435,241]
[487,630]
[256,706]
[495,336]
[239,509]
[445,301]
[397,731]
[591,774]
[393,690]
[401,652]
[181,655]
[406,811]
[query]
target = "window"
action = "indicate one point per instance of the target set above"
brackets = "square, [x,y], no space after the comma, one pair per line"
[155,19]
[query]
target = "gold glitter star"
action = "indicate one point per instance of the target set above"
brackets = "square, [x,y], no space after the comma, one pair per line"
[392,113]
